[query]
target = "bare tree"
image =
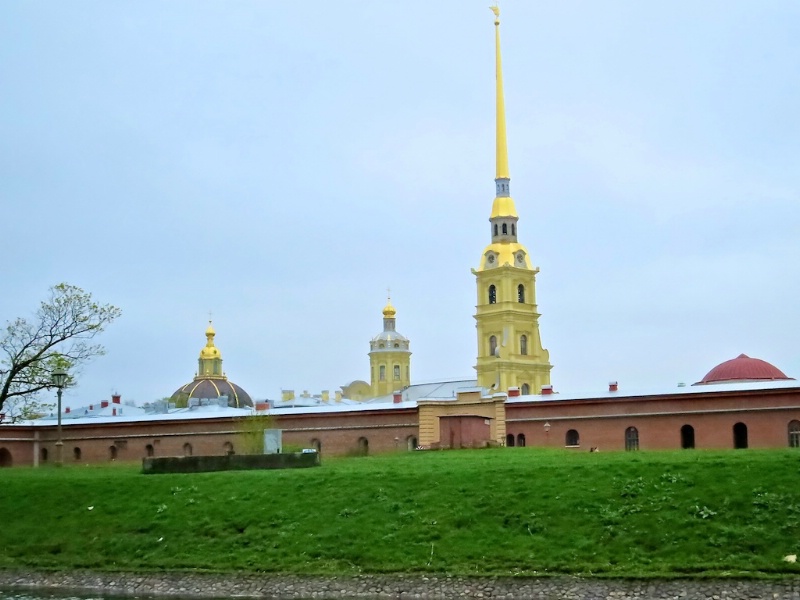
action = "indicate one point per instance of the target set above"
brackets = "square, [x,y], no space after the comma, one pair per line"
[60,336]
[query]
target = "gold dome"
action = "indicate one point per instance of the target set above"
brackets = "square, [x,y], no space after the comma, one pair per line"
[388,311]
[503,206]
[210,350]
[505,253]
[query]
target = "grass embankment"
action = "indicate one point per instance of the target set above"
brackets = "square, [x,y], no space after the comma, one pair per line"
[503,511]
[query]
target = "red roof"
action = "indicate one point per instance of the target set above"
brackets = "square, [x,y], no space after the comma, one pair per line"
[743,368]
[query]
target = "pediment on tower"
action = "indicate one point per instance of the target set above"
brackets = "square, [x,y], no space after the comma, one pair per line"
[491,259]
[521,259]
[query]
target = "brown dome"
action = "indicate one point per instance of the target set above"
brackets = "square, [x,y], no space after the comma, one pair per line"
[743,368]
[214,388]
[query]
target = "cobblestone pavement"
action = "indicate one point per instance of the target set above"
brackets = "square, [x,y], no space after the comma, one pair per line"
[440,587]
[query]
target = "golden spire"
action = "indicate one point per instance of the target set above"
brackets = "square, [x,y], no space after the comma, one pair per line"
[502,146]
[503,204]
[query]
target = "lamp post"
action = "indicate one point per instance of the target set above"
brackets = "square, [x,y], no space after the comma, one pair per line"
[59,379]
[547,432]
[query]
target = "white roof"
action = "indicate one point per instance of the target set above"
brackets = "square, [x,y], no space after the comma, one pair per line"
[442,390]
[687,390]
[135,414]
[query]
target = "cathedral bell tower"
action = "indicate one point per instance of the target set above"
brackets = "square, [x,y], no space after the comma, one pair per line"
[389,357]
[510,350]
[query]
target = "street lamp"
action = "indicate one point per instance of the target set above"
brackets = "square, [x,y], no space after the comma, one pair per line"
[59,379]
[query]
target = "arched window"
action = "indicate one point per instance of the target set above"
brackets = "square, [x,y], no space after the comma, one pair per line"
[740,436]
[505,229]
[521,440]
[6,460]
[523,344]
[43,455]
[521,293]
[687,437]
[112,452]
[397,372]
[513,229]
[794,434]
[572,438]
[187,449]
[149,450]
[495,229]
[363,446]
[227,447]
[76,453]
[411,442]
[525,390]
[492,345]
[510,440]
[382,372]
[631,438]
[492,294]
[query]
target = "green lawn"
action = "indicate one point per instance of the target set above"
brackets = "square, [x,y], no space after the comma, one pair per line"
[483,512]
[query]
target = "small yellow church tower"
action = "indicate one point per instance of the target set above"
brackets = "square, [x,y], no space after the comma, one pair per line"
[510,352]
[389,357]
[210,362]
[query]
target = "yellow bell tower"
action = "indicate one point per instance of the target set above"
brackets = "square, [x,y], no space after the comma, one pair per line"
[510,350]
[389,357]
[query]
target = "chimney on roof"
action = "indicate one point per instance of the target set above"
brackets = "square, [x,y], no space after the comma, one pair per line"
[338,396]
[547,390]
[66,410]
[113,412]
[397,397]
[91,407]
[103,403]
[326,396]
[613,386]
[513,392]
[116,398]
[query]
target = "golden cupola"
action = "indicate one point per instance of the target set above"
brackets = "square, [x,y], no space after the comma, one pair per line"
[210,382]
[389,311]
[210,361]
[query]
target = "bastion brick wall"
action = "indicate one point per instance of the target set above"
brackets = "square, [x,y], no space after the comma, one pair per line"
[601,423]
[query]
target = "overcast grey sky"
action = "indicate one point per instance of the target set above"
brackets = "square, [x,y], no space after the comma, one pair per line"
[282,164]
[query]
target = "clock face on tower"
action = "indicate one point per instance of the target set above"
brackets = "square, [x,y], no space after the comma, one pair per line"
[490,259]
[520,258]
